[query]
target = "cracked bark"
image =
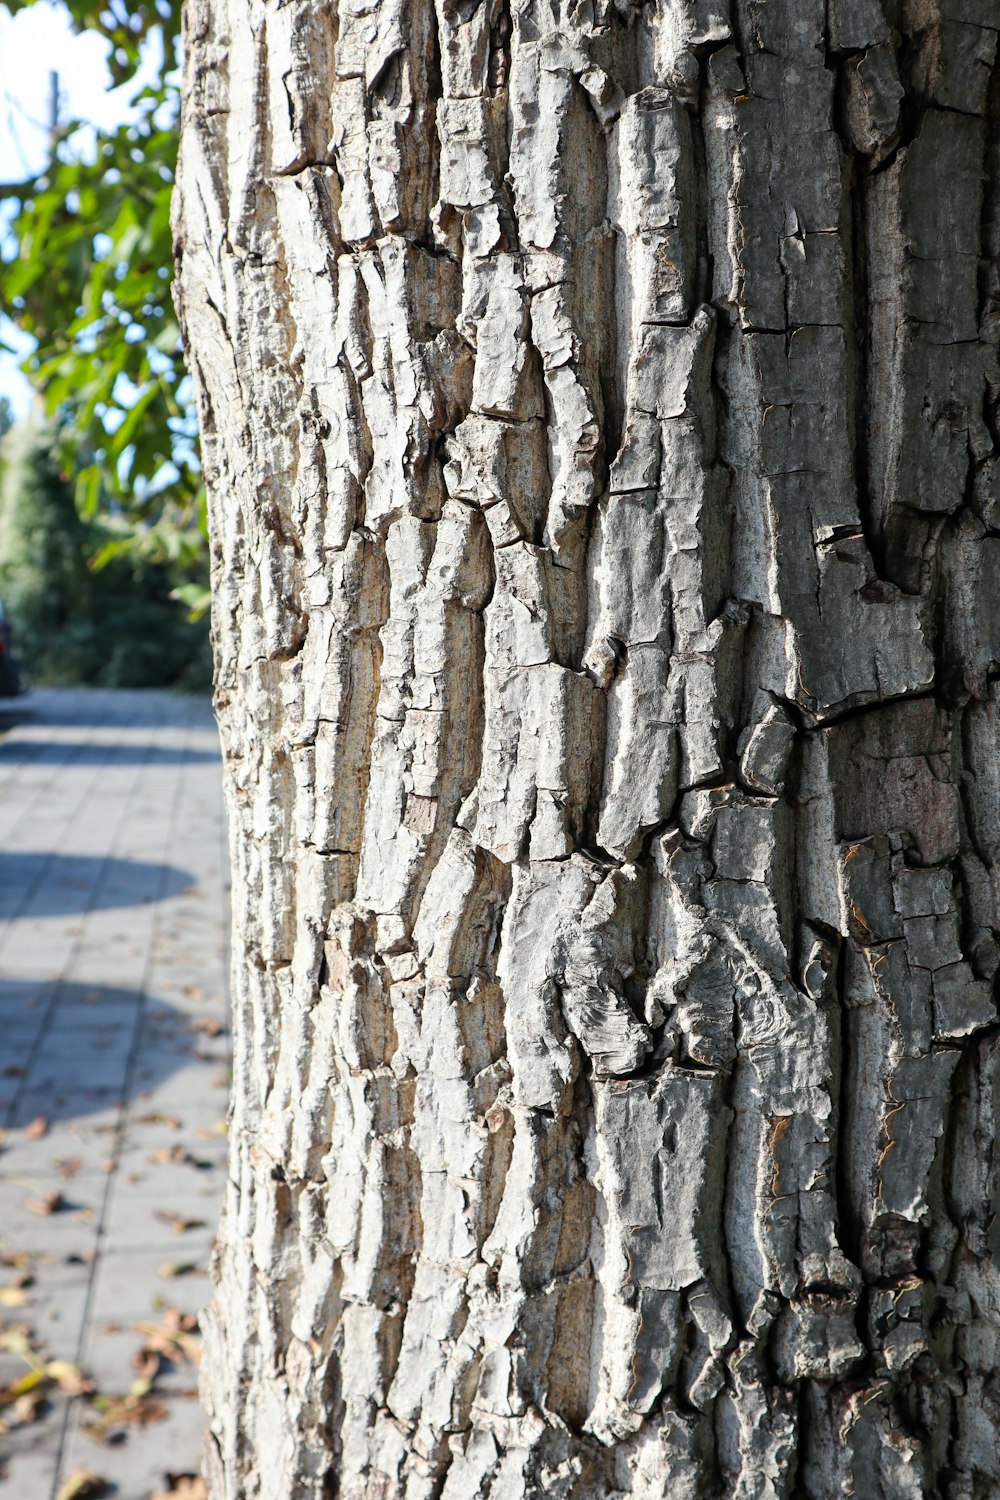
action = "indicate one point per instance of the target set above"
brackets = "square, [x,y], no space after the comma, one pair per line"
[599,416]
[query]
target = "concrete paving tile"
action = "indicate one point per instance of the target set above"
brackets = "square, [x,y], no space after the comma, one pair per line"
[143,1222]
[65,1135]
[128,1285]
[185,1043]
[98,1076]
[139,1221]
[65,1168]
[38,951]
[17,1044]
[16,1021]
[72,1231]
[63,1102]
[172,1183]
[19,997]
[189,1091]
[137,1466]
[65,1157]
[54,1274]
[57,1317]
[90,1035]
[29,1465]
[112,886]
[94,1017]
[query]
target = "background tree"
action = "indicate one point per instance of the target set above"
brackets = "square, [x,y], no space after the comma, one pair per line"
[599,417]
[87,275]
[116,627]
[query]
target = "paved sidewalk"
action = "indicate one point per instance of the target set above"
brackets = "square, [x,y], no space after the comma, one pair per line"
[113,1082]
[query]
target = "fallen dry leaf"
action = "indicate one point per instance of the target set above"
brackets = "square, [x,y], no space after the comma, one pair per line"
[68,1378]
[15,1338]
[164,1154]
[68,1166]
[17,1259]
[155,1118]
[38,1127]
[175,1335]
[177,1222]
[33,1381]
[52,1203]
[182,1487]
[13,1296]
[147,1363]
[170,1269]
[179,1322]
[208,1027]
[28,1408]
[83,1485]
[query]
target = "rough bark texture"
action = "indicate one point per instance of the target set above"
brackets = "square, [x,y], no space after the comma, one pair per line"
[600,416]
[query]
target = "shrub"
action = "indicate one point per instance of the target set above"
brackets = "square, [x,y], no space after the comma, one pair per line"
[114,627]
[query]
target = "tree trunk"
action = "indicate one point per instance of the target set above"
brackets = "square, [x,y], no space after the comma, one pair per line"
[599,416]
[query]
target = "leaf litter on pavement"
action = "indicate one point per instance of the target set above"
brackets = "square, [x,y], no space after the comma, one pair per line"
[172,1341]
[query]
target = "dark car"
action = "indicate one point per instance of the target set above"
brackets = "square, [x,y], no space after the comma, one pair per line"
[10,672]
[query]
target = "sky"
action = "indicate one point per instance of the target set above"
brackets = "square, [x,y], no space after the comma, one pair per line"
[32,44]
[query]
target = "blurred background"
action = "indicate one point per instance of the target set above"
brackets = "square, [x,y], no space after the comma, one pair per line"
[114,1054]
[103,554]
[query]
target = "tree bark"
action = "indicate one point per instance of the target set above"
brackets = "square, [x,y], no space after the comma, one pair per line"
[599,410]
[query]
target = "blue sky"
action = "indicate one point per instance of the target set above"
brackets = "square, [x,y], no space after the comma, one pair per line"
[32,43]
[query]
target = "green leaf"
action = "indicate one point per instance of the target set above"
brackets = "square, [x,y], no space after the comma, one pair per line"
[88,491]
[136,412]
[196,596]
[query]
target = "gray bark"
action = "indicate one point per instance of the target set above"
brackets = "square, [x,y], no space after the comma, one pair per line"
[599,407]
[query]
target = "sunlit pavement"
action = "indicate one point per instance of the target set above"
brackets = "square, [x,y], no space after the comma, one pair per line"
[113,1078]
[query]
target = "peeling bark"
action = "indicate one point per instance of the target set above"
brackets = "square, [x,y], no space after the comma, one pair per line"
[599,409]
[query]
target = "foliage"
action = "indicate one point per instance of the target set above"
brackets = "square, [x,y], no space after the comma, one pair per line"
[126,24]
[91,285]
[118,627]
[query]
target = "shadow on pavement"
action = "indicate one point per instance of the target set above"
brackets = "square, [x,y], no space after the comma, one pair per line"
[41,884]
[77,1049]
[99,708]
[12,714]
[84,753]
